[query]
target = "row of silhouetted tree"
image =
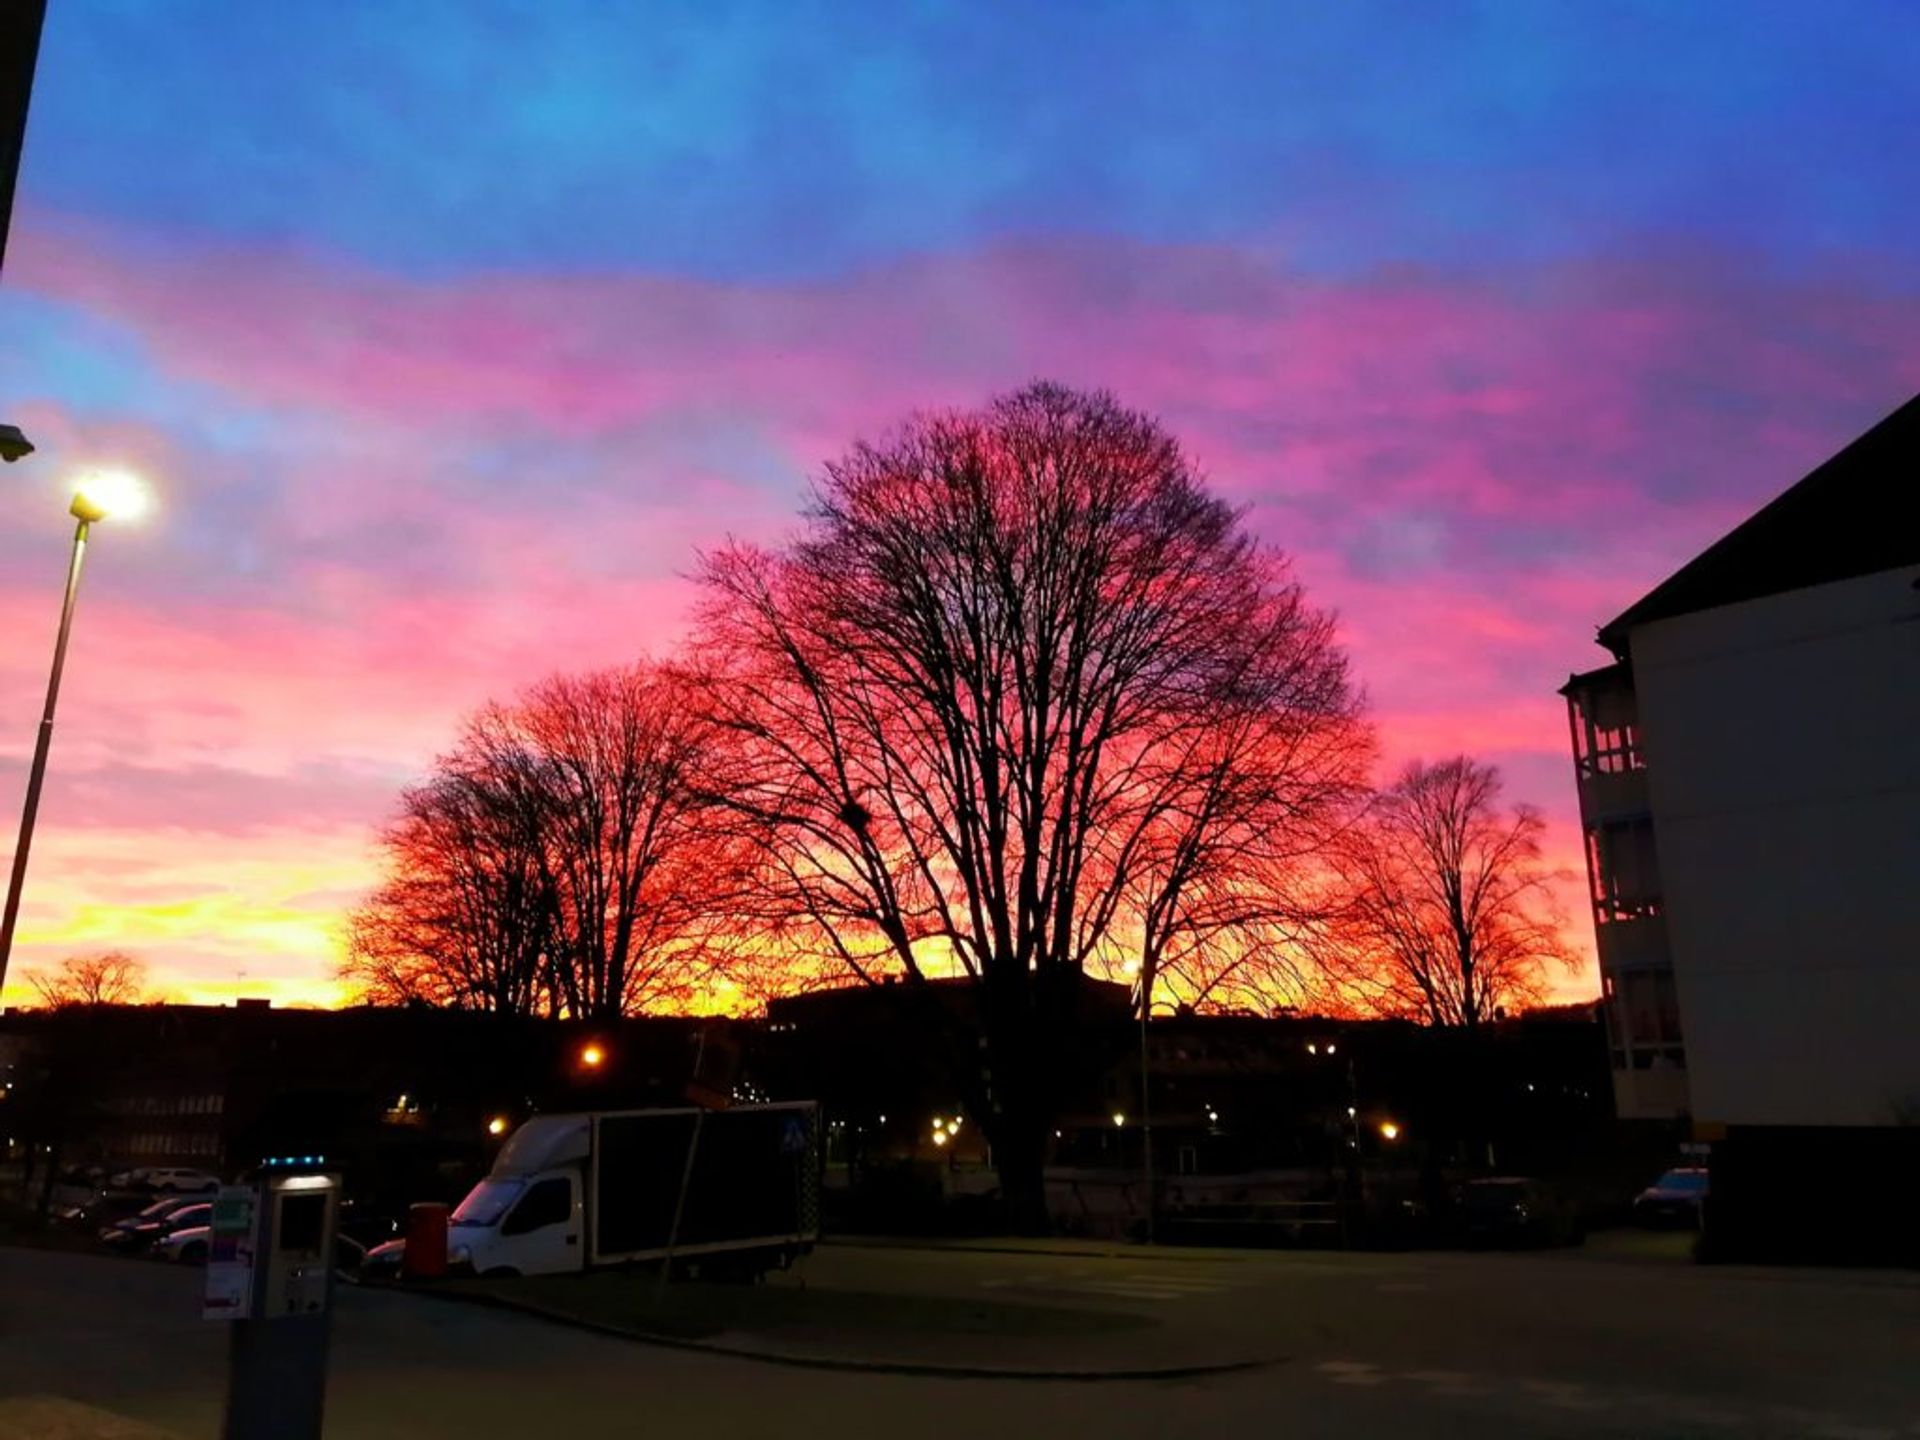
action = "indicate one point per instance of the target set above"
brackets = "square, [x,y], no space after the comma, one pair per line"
[1023,701]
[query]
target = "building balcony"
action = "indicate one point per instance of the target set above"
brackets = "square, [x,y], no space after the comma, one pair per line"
[1637,943]
[1611,795]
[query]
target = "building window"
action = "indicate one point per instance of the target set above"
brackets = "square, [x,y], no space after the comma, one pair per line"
[1616,749]
[1643,1020]
[1625,868]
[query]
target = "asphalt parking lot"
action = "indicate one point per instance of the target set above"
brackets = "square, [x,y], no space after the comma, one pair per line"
[1575,1343]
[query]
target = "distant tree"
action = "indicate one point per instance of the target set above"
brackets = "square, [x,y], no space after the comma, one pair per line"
[465,916]
[643,876]
[111,977]
[560,860]
[1007,708]
[1450,917]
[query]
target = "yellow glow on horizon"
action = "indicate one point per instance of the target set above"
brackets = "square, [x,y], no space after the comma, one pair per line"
[262,914]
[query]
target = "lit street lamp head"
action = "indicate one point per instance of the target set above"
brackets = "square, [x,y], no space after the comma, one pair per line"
[109,494]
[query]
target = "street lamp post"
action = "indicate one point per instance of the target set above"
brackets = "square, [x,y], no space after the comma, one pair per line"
[1146,1106]
[94,500]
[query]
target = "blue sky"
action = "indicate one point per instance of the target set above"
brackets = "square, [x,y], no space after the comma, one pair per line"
[795,139]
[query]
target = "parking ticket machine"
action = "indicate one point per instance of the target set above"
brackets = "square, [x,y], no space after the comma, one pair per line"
[300,1214]
[271,1264]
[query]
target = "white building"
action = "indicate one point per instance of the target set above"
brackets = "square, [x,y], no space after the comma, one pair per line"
[1749,777]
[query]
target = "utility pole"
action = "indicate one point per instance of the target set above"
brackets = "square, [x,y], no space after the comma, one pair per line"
[20,25]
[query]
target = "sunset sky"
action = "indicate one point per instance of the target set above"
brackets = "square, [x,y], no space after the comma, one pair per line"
[448,332]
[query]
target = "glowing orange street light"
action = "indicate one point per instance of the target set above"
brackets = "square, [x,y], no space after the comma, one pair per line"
[1389,1130]
[592,1056]
[497,1125]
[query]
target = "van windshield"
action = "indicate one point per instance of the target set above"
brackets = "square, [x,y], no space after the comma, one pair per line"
[487,1202]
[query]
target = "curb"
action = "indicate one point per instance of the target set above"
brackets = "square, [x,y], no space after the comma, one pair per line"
[924,1369]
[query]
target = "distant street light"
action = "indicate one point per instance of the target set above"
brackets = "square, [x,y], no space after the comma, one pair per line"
[1389,1130]
[592,1056]
[105,495]
[497,1125]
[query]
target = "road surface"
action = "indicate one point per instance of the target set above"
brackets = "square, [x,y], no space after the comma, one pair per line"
[1401,1346]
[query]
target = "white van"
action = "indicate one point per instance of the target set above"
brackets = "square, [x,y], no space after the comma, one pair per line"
[601,1188]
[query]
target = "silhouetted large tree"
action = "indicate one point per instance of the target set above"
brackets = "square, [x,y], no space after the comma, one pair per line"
[1451,915]
[1008,707]
[561,859]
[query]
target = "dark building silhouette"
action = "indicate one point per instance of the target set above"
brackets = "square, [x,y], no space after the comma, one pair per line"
[404,1101]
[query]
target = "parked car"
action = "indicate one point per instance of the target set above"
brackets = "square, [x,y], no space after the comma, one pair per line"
[368,1227]
[147,1234]
[154,1215]
[1674,1200]
[1516,1210]
[164,1177]
[382,1262]
[349,1255]
[182,1179]
[185,1246]
[190,1245]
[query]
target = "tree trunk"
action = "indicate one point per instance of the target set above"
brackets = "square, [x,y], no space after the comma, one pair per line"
[1019,1141]
[1028,1020]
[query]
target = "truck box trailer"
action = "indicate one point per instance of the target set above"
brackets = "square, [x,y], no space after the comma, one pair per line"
[572,1191]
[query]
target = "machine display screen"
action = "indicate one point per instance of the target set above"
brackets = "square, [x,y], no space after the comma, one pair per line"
[302,1218]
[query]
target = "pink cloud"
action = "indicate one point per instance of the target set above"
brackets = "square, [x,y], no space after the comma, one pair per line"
[440,492]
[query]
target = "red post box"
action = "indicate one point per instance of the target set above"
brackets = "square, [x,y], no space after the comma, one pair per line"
[425,1256]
